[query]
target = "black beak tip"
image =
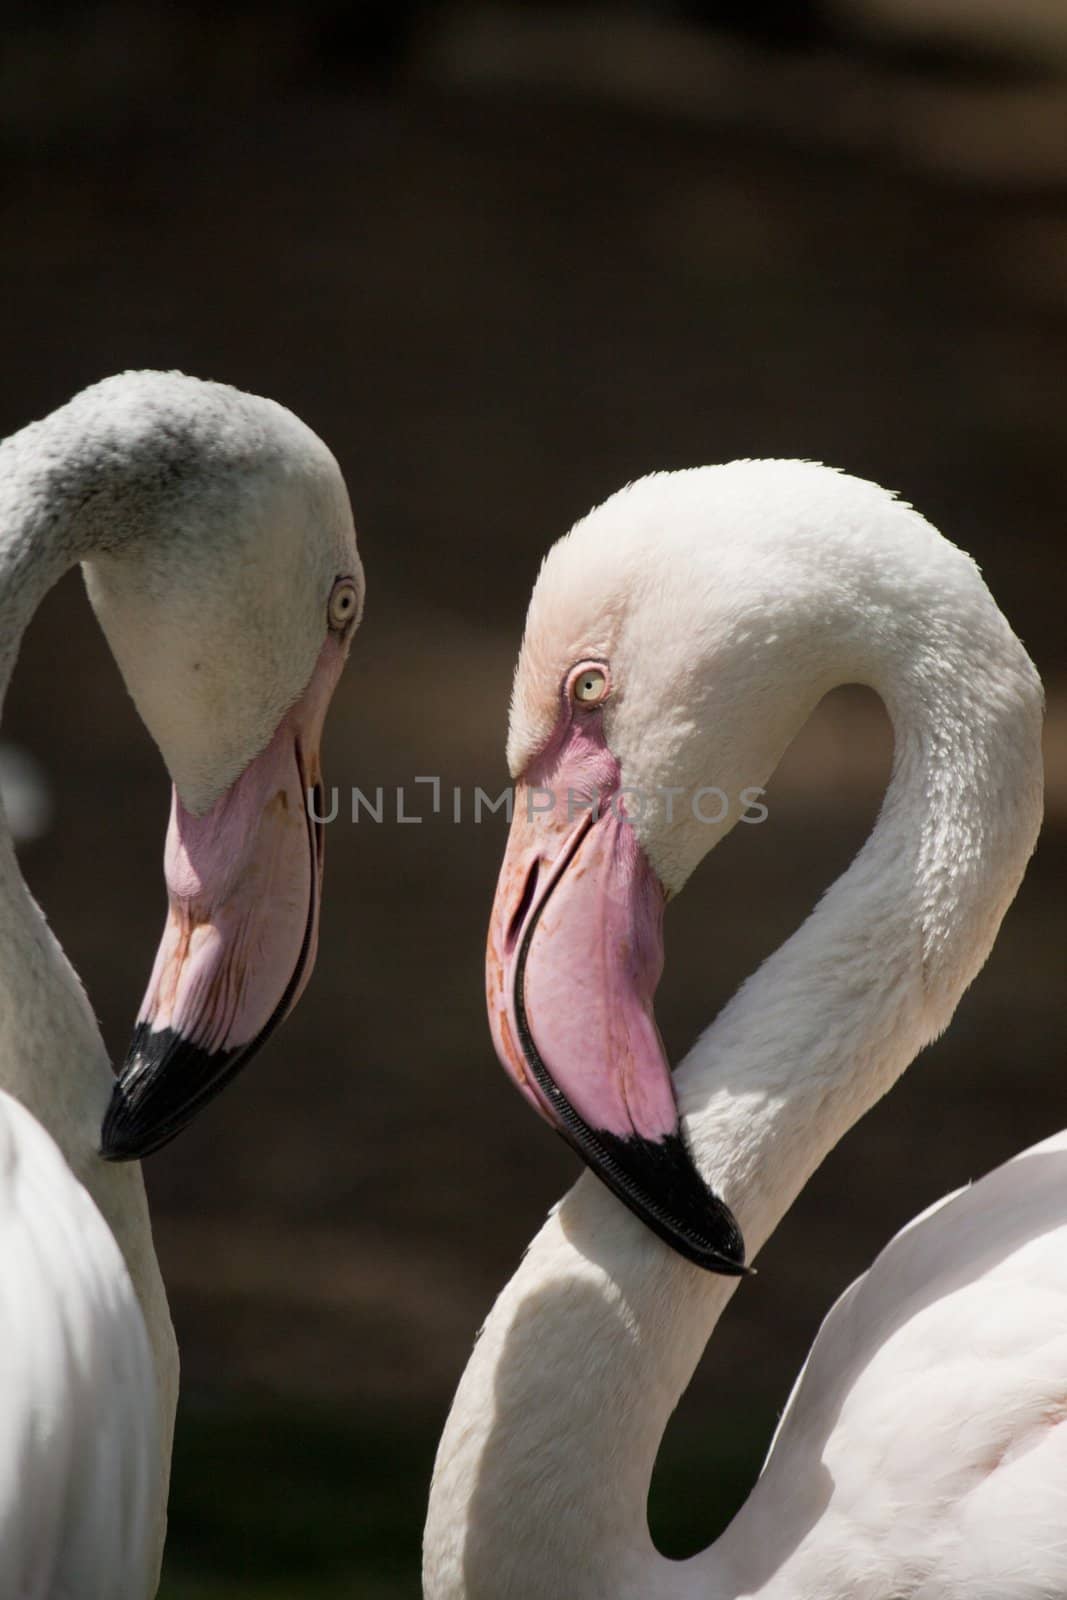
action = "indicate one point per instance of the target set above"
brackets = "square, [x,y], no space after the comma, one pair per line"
[164,1081]
[130,1128]
[718,1245]
[660,1183]
[728,1262]
[118,1135]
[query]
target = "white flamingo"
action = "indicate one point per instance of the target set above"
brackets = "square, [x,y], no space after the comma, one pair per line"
[679,637]
[217,543]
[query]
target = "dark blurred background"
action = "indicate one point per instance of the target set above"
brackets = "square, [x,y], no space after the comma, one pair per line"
[504,258]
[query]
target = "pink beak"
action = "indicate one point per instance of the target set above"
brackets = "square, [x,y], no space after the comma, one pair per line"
[244,883]
[574,957]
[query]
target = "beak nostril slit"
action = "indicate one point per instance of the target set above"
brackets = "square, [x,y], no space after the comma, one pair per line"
[522,910]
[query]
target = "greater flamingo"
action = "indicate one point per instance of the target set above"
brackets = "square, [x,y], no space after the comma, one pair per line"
[679,637]
[217,544]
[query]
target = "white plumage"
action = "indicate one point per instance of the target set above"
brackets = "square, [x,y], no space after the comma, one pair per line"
[922,1455]
[80,1430]
[923,1450]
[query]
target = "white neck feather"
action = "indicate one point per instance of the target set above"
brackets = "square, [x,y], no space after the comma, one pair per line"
[543,1472]
[52,1057]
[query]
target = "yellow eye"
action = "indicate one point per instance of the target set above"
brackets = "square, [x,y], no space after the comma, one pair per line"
[590,686]
[344,603]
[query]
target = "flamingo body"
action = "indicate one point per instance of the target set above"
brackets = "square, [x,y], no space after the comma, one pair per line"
[923,1450]
[80,1424]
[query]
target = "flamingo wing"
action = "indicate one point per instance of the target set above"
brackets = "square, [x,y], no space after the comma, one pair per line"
[923,1452]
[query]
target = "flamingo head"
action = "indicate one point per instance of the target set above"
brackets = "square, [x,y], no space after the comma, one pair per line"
[641,725]
[229,588]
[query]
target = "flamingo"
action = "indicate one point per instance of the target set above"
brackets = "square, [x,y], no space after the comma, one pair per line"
[217,544]
[678,637]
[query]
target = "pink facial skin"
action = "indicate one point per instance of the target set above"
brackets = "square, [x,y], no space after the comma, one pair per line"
[595,955]
[244,882]
[575,953]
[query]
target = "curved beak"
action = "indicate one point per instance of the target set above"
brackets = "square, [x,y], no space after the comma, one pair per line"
[244,883]
[574,957]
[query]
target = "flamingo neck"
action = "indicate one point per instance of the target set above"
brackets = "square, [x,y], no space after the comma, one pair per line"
[543,1472]
[52,1057]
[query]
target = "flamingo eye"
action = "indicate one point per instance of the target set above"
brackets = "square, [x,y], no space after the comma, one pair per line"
[343,604]
[590,686]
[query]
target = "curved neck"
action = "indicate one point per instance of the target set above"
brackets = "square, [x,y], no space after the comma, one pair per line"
[52,1057]
[547,1457]
[38,542]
